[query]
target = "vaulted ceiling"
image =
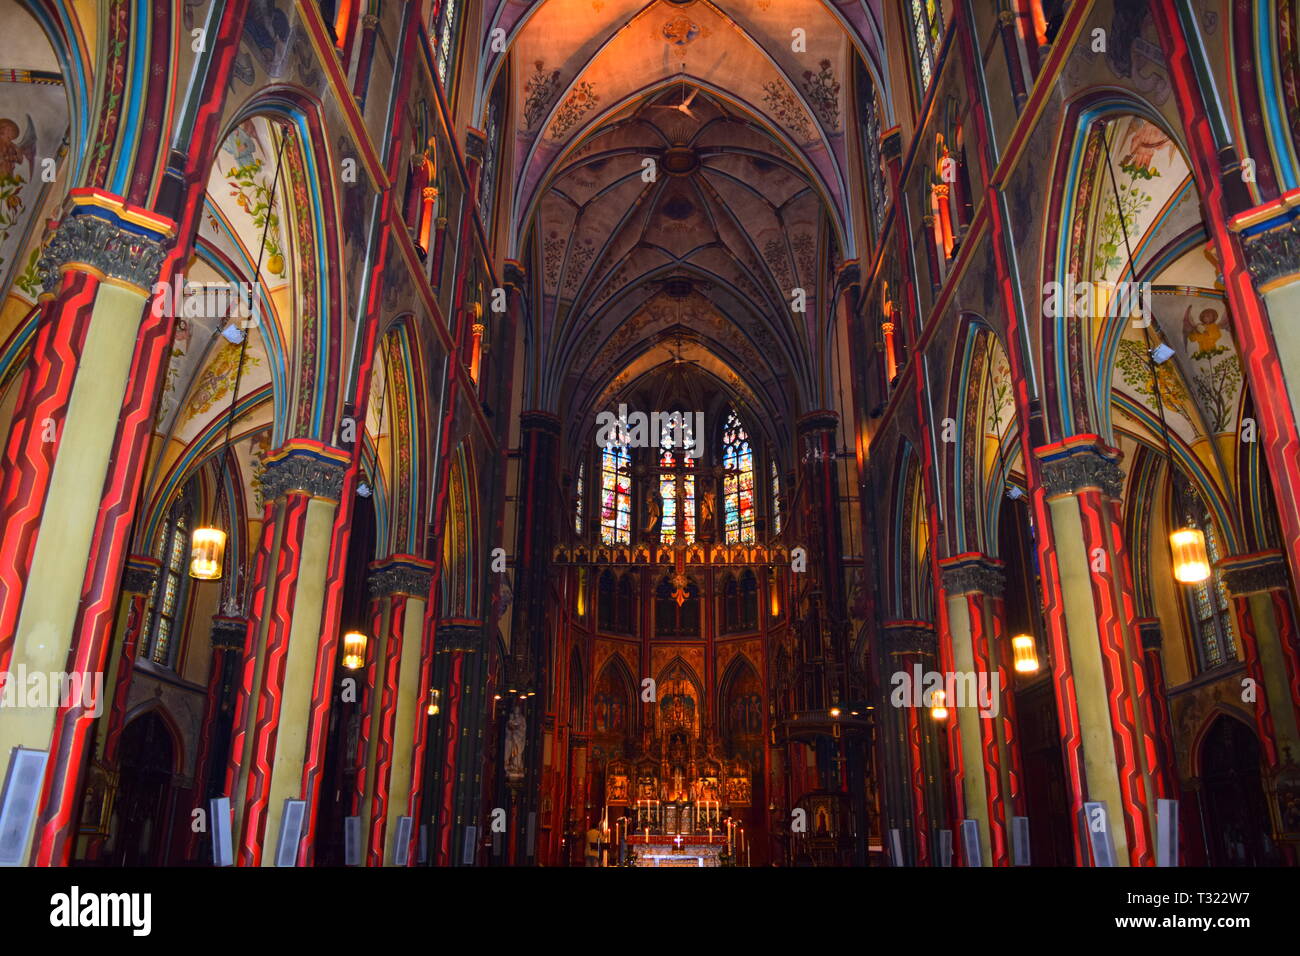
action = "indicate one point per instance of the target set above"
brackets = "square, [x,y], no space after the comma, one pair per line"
[681,170]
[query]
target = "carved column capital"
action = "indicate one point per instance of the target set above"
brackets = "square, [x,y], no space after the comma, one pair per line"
[1273,255]
[536,420]
[908,637]
[475,144]
[104,237]
[1150,634]
[401,574]
[891,144]
[972,574]
[140,574]
[514,275]
[1254,573]
[305,467]
[465,636]
[228,633]
[1079,464]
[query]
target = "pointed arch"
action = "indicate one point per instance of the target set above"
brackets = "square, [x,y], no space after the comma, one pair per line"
[740,704]
[460,544]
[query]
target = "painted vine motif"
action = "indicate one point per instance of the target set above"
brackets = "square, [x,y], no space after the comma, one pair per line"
[217,380]
[1134,365]
[539,92]
[823,92]
[254,196]
[577,104]
[785,107]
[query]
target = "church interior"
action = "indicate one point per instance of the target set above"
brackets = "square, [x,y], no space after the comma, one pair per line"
[649,433]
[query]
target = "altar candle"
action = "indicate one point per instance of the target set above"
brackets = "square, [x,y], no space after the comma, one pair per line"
[647,834]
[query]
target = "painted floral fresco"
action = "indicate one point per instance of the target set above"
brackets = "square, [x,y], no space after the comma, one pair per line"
[217,380]
[581,101]
[251,191]
[33,125]
[1149,169]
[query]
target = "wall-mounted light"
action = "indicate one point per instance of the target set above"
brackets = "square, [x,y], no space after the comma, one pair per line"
[1191,562]
[938,710]
[432,709]
[1025,654]
[354,650]
[207,551]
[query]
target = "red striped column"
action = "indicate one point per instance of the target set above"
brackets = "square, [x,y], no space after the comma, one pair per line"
[305,479]
[1258,584]
[368,681]
[236,769]
[1156,708]
[969,580]
[137,584]
[1083,483]
[400,583]
[227,644]
[56,564]
[910,649]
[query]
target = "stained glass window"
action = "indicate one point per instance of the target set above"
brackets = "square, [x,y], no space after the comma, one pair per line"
[738,483]
[580,498]
[488,174]
[170,587]
[616,494]
[877,188]
[445,37]
[1208,604]
[776,499]
[677,506]
[927,30]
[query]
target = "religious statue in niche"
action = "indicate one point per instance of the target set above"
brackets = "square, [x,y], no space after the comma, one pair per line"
[707,505]
[647,785]
[652,514]
[677,705]
[516,729]
[616,787]
[739,789]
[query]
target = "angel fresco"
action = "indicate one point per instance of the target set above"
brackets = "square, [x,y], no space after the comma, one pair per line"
[17,150]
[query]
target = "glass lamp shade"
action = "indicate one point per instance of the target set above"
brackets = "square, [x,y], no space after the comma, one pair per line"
[1025,654]
[1191,562]
[207,551]
[354,650]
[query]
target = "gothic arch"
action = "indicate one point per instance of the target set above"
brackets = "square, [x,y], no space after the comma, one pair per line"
[460,578]
[397,424]
[908,592]
[979,461]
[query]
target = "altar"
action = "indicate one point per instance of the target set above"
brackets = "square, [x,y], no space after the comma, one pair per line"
[677,850]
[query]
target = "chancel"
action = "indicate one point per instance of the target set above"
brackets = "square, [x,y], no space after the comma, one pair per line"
[649,433]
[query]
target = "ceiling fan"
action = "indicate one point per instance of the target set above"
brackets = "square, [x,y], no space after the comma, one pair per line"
[684,107]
